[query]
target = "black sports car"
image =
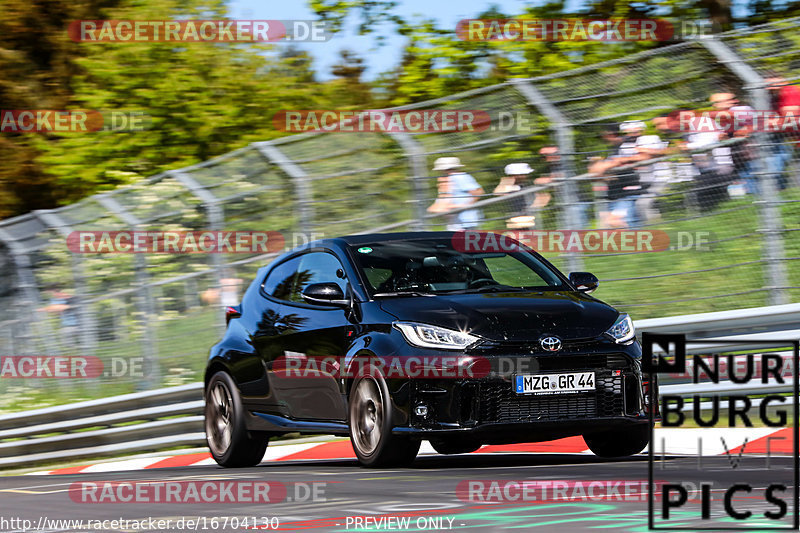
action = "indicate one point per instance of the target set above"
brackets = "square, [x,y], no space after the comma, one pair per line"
[393,339]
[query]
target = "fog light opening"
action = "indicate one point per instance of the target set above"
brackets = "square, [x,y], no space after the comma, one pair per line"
[421,410]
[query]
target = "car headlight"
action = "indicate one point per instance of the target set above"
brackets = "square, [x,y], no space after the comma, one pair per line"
[622,331]
[427,336]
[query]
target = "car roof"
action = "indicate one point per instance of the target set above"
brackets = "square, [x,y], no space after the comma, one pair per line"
[349,240]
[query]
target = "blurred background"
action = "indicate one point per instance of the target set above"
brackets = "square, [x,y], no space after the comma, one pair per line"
[601,140]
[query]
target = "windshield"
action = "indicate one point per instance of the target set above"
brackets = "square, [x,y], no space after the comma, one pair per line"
[434,266]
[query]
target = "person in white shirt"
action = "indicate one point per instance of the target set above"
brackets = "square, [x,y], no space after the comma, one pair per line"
[457,189]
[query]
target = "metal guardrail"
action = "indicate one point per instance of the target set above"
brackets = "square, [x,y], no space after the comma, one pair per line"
[726,322]
[155,420]
[172,417]
[757,324]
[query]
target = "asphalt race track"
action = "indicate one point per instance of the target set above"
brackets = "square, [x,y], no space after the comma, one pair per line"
[426,494]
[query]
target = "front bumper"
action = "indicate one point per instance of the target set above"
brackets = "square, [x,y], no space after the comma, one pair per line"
[489,410]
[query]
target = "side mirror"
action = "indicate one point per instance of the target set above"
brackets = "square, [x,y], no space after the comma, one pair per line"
[584,282]
[329,294]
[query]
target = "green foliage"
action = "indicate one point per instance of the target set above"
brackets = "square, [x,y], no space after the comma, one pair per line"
[202,99]
[206,99]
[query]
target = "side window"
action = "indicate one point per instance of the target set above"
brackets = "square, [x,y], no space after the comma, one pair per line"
[281,282]
[319,267]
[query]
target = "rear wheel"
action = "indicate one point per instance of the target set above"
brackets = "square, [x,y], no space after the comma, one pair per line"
[618,443]
[451,447]
[371,426]
[230,443]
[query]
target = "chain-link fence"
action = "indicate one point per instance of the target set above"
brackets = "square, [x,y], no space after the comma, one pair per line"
[614,146]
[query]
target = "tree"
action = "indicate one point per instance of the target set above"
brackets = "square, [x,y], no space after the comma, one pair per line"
[202,99]
[348,87]
[38,62]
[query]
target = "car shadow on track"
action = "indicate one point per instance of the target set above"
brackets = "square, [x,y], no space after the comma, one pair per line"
[470,461]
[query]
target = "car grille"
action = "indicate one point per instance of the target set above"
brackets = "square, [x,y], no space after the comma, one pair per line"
[583,362]
[563,361]
[499,403]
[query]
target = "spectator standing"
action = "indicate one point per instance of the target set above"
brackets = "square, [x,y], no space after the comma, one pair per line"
[625,185]
[63,304]
[514,181]
[741,152]
[785,101]
[714,165]
[456,190]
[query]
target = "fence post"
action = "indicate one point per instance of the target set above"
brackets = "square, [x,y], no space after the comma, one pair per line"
[570,214]
[146,306]
[27,284]
[417,164]
[769,214]
[302,184]
[216,219]
[87,326]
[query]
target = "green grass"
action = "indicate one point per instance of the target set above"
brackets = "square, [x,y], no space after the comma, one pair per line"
[703,280]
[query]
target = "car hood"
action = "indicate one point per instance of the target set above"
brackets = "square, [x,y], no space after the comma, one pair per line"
[509,317]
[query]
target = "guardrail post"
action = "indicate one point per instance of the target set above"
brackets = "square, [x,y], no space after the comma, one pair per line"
[301,180]
[770,215]
[87,326]
[216,219]
[145,303]
[570,214]
[417,165]
[27,284]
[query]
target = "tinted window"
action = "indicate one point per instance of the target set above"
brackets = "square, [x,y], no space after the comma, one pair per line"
[319,267]
[280,283]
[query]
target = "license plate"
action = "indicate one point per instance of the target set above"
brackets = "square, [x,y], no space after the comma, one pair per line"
[554,383]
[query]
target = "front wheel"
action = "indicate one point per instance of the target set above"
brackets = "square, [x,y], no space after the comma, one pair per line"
[230,443]
[371,426]
[618,443]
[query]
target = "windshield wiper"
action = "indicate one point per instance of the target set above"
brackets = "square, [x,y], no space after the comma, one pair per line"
[400,293]
[485,288]
[498,288]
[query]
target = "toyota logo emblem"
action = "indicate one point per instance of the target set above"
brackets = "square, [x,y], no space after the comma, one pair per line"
[550,344]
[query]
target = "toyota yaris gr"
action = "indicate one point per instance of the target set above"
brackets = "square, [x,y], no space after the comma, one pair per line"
[393,339]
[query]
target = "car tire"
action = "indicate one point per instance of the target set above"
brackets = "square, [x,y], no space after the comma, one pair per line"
[370,422]
[618,443]
[452,447]
[231,444]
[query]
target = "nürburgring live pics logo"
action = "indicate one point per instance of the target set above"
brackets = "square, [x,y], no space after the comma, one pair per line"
[728,492]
